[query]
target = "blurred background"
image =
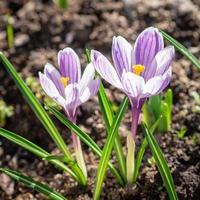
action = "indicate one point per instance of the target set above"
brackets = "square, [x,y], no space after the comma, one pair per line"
[31,34]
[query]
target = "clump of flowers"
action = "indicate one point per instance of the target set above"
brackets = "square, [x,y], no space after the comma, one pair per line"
[140,72]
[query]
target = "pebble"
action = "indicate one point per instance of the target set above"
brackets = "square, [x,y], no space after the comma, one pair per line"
[7,184]
[21,40]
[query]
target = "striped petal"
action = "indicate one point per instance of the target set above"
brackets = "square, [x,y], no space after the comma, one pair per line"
[52,73]
[69,64]
[105,69]
[164,60]
[121,54]
[147,45]
[50,89]
[132,84]
[157,84]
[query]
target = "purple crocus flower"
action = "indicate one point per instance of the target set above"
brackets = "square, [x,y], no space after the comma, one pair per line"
[66,86]
[140,72]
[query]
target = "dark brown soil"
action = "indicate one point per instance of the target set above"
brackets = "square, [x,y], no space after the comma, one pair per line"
[41,29]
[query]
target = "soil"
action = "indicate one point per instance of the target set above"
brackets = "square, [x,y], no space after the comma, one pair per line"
[40,30]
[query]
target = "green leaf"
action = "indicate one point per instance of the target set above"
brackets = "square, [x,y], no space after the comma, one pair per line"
[181,133]
[103,164]
[182,49]
[29,182]
[9,31]
[142,149]
[148,115]
[84,137]
[108,116]
[41,115]
[63,4]
[35,149]
[168,99]
[165,122]
[155,104]
[161,163]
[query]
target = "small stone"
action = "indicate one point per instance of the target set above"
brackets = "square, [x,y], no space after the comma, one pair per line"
[7,184]
[21,40]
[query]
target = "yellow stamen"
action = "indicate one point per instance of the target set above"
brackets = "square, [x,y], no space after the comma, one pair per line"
[138,69]
[64,81]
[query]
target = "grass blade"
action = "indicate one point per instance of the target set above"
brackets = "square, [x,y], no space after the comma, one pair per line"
[183,50]
[103,164]
[29,182]
[84,138]
[108,116]
[142,149]
[35,149]
[161,164]
[41,114]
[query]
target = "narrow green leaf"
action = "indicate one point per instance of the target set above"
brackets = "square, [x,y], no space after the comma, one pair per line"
[108,116]
[148,115]
[9,31]
[103,164]
[165,123]
[161,163]
[168,99]
[29,182]
[155,104]
[41,114]
[142,149]
[60,158]
[84,138]
[63,4]
[183,50]
[35,149]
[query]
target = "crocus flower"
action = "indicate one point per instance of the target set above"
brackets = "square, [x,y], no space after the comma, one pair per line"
[140,72]
[66,86]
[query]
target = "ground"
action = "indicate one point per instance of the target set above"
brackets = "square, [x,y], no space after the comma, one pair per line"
[41,29]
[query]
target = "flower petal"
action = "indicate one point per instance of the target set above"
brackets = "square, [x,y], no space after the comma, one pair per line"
[52,73]
[164,59]
[105,69]
[121,54]
[69,64]
[88,75]
[72,99]
[90,91]
[147,45]
[50,89]
[132,84]
[157,84]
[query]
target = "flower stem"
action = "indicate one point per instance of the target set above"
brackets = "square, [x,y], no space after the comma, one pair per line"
[79,153]
[135,118]
[78,150]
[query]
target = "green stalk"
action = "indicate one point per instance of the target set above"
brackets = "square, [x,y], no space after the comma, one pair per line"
[108,116]
[107,149]
[9,32]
